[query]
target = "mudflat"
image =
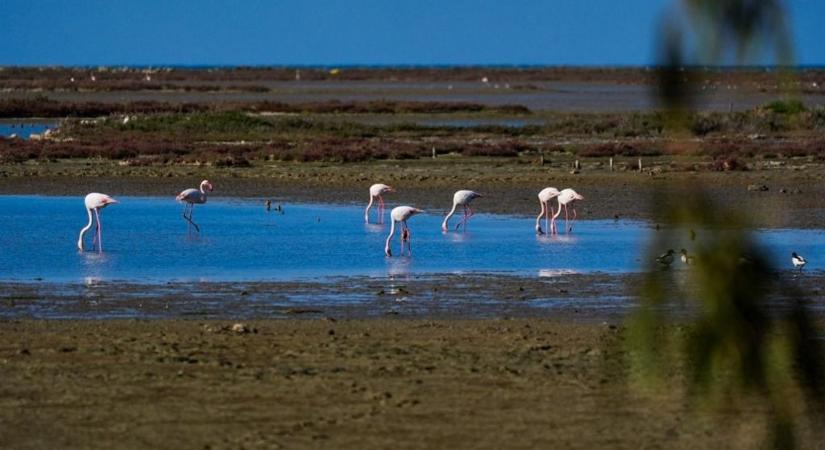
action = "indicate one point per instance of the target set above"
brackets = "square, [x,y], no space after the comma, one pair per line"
[364,383]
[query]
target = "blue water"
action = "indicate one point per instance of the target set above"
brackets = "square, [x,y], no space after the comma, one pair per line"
[23,129]
[146,240]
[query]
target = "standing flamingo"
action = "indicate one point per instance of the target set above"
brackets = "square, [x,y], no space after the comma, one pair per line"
[545,196]
[461,198]
[95,202]
[401,214]
[567,196]
[376,191]
[191,197]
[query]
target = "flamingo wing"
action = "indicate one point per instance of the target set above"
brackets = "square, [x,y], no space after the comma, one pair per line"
[190,196]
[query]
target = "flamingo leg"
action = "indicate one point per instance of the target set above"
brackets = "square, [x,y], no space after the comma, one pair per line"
[547,213]
[463,219]
[566,219]
[574,218]
[99,231]
[409,241]
[405,239]
[380,209]
[190,207]
[94,237]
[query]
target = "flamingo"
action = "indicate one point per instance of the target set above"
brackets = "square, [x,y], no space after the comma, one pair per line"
[401,214]
[376,191]
[545,196]
[191,197]
[94,202]
[461,198]
[567,196]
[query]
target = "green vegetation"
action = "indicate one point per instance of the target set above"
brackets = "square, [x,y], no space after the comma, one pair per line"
[786,106]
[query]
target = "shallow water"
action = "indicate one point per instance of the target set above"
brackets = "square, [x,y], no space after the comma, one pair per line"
[24,130]
[146,240]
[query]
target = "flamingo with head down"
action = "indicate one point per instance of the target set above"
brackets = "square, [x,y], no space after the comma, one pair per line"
[377,191]
[461,198]
[95,202]
[545,196]
[567,197]
[400,215]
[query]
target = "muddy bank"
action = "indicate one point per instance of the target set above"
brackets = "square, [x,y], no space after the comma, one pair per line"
[793,197]
[581,298]
[523,383]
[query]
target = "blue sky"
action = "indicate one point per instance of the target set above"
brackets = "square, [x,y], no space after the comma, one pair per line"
[331,32]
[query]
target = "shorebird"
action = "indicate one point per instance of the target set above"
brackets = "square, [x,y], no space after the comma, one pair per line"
[567,197]
[687,259]
[377,191]
[666,259]
[798,261]
[400,215]
[545,196]
[461,198]
[191,197]
[95,202]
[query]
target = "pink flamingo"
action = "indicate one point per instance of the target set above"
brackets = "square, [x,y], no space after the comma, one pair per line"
[376,191]
[461,198]
[567,197]
[191,197]
[401,214]
[95,202]
[545,196]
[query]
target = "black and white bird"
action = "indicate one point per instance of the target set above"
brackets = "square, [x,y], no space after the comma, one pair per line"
[798,261]
[666,259]
[687,259]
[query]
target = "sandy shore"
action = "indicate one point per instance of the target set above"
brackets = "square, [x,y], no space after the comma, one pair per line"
[376,383]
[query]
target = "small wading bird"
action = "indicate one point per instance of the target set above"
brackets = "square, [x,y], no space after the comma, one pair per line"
[400,215]
[798,261]
[687,259]
[95,202]
[191,197]
[666,259]
[377,191]
[567,197]
[545,196]
[461,198]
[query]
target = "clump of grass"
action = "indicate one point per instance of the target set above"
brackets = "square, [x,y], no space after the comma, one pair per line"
[786,106]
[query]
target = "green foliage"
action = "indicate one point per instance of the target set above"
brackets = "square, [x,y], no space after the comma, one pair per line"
[786,106]
[736,347]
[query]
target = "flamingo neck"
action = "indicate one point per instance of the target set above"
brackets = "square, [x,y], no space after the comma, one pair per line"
[369,205]
[84,230]
[541,213]
[450,214]
[559,210]
[389,237]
